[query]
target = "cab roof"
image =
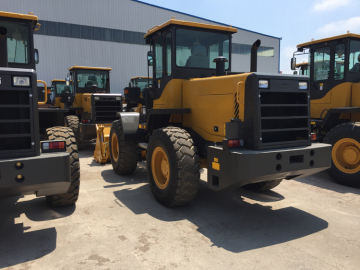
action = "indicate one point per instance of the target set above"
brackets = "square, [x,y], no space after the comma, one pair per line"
[93,68]
[30,17]
[139,77]
[302,64]
[172,21]
[348,35]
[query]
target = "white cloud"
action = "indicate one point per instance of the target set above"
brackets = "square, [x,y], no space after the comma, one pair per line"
[341,27]
[326,5]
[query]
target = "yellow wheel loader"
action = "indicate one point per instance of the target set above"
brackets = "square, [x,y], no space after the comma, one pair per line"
[27,165]
[82,101]
[247,129]
[334,72]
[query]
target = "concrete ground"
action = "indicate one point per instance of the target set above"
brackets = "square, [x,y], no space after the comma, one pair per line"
[312,223]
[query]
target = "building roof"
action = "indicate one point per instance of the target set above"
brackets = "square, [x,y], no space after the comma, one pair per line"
[93,68]
[204,19]
[192,24]
[348,35]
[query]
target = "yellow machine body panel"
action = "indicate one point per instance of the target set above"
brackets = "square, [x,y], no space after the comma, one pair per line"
[355,101]
[213,102]
[171,97]
[86,102]
[338,97]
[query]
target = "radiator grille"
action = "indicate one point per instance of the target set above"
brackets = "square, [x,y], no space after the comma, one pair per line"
[16,125]
[284,118]
[105,109]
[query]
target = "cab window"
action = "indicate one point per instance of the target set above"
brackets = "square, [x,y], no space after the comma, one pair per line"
[321,64]
[18,41]
[354,56]
[92,78]
[168,54]
[339,62]
[198,49]
[159,58]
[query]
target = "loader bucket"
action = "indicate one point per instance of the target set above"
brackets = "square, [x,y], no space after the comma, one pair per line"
[102,153]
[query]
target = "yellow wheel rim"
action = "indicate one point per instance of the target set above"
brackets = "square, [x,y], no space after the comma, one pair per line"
[160,168]
[346,155]
[114,147]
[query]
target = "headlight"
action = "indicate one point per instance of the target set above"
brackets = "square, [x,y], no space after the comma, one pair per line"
[21,81]
[118,98]
[303,86]
[96,98]
[263,84]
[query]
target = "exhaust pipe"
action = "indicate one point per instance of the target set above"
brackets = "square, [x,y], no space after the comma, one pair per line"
[3,47]
[220,65]
[253,61]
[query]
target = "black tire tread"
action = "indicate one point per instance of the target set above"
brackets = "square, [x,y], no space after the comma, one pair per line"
[263,186]
[184,161]
[72,195]
[128,151]
[72,122]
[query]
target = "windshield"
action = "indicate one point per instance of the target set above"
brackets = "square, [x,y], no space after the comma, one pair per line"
[92,78]
[354,57]
[17,41]
[141,83]
[198,49]
[62,88]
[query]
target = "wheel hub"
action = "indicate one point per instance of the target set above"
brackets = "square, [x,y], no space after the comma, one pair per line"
[160,168]
[346,155]
[351,155]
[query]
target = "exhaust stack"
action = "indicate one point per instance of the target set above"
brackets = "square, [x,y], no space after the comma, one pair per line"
[220,65]
[3,47]
[253,61]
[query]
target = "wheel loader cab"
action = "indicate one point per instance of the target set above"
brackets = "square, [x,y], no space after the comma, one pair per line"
[303,69]
[332,66]
[184,50]
[335,100]
[59,87]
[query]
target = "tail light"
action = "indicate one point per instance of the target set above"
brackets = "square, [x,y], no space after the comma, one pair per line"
[313,136]
[86,121]
[53,146]
[235,143]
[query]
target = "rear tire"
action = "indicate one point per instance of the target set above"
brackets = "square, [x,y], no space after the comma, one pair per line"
[123,154]
[72,195]
[345,154]
[263,186]
[72,121]
[173,166]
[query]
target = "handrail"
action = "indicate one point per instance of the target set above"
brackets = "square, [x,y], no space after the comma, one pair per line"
[45,92]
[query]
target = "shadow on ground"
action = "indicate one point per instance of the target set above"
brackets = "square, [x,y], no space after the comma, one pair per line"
[16,244]
[224,218]
[323,180]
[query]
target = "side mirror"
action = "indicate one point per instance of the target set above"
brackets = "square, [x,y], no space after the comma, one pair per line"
[293,63]
[150,58]
[67,81]
[36,56]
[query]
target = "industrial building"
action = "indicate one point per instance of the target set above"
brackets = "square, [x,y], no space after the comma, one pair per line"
[109,33]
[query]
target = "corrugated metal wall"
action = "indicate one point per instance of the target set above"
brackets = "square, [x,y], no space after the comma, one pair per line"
[57,54]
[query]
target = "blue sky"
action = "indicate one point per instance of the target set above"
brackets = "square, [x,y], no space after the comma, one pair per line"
[294,21]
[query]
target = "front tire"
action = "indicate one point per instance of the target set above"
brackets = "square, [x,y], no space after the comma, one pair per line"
[263,186]
[173,166]
[123,153]
[72,195]
[72,121]
[345,154]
